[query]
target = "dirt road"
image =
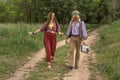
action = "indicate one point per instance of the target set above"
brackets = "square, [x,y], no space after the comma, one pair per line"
[80,74]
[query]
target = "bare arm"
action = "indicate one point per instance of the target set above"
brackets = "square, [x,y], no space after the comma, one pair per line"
[39,30]
[32,33]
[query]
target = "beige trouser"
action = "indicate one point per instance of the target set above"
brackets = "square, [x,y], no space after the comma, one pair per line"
[75,43]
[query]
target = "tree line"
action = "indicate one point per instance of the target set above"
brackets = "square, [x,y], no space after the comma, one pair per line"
[35,11]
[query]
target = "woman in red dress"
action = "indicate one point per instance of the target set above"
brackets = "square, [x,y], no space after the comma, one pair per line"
[50,28]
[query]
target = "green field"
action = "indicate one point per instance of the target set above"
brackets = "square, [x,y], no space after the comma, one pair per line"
[108,50]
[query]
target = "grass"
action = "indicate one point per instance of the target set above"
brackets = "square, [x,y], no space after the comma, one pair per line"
[91,27]
[58,67]
[108,49]
[16,45]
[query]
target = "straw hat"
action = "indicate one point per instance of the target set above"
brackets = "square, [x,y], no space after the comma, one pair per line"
[75,12]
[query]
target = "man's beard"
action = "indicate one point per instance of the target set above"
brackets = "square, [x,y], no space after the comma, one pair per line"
[75,19]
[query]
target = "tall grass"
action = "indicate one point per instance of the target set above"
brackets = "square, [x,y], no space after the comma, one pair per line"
[15,41]
[16,45]
[108,50]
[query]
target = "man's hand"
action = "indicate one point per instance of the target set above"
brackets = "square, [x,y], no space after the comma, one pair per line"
[66,41]
[84,42]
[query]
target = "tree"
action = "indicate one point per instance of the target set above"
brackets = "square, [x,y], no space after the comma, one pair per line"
[34,11]
[116,9]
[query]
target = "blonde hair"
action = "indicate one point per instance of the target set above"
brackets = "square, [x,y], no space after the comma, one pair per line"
[75,18]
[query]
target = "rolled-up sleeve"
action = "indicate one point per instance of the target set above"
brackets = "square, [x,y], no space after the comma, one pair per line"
[43,27]
[84,31]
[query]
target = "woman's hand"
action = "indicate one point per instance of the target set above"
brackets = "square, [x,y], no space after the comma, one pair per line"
[31,33]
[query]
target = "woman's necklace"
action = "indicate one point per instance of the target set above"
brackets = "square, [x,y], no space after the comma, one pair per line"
[51,25]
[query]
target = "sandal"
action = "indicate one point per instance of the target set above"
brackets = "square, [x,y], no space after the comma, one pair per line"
[49,67]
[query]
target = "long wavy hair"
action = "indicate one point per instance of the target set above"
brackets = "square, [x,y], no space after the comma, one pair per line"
[54,20]
[50,16]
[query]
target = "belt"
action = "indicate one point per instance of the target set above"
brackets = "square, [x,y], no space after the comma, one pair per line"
[75,35]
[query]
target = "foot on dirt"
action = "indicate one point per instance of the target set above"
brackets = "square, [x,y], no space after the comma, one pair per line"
[69,67]
[76,67]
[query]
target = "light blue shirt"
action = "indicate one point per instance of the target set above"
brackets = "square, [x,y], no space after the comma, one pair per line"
[74,29]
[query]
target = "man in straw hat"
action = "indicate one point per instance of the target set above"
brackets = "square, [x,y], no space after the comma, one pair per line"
[77,34]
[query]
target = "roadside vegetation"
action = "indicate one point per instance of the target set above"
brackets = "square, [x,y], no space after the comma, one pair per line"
[108,50]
